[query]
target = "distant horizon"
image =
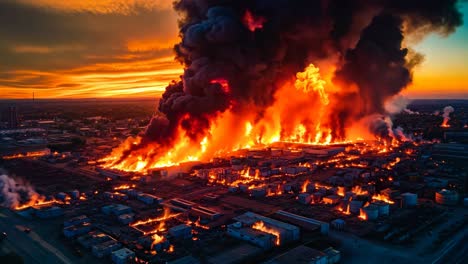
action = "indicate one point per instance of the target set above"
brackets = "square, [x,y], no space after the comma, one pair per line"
[156,98]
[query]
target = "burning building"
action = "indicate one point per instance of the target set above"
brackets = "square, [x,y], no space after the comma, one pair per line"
[282,233]
[260,72]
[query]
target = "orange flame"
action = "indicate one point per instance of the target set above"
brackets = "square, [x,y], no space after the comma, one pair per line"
[156,239]
[341,191]
[359,191]
[167,215]
[362,215]
[313,93]
[31,154]
[261,226]
[304,186]
[124,187]
[34,200]
[383,198]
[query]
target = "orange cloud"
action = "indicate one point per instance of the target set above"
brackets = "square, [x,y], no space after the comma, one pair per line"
[147,44]
[146,78]
[101,6]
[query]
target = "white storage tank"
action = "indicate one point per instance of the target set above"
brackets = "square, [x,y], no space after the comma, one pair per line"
[384,208]
[446,197]
[409,200]
[354,206]
[370,212]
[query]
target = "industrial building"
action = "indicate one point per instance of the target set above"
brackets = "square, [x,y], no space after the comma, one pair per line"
[149,199]
[116,209]
[256,237]
[105,248]
[123,256]
[446,197]
[241,253]
[303,222]
[93,238]
[181,231]
[205,213]
[301,255]
[48,212]
[76,230]
[76,220]
[286,232]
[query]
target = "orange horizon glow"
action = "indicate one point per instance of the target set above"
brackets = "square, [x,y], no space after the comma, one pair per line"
[148,79]
[117,80]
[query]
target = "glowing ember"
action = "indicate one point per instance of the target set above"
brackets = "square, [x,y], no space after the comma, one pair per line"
[261,226]
[304,186]
[167,215]
[253,22]
[35,201]
[359,191]
[197,224]
[224,84]
[156,239]
[393,163]
[124,187]
[380,197]
[341,191]
[171,249]
[32,154]
[362,215]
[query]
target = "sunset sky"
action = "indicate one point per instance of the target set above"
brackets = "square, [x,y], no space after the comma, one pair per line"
[123,48]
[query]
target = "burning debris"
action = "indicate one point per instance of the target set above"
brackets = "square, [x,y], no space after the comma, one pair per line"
[18,194]
[446,115]
[31,154]
[243,60]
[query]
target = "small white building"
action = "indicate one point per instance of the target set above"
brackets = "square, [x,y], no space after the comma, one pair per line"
[122,256]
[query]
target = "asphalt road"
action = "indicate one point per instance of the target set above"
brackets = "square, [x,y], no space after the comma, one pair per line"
[455,252]
[30,246]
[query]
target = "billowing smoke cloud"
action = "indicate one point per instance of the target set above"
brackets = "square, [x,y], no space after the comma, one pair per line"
[382,127]
[14,192]
[397,104]
[410,112]
[446,115]
[237,53]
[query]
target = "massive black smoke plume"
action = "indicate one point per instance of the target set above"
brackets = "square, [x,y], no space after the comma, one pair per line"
[237,53]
